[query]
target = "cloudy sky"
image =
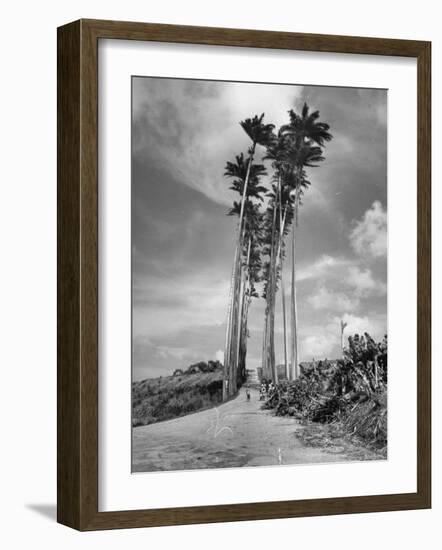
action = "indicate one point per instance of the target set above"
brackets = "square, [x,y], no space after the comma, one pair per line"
[183,243]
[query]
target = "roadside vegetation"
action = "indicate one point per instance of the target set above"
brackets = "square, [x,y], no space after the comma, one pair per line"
[196,388]
[343,400]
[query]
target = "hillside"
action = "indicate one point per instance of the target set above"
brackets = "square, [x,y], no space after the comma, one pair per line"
[167,397]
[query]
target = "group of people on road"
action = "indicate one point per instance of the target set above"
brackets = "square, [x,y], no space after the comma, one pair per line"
[266,390]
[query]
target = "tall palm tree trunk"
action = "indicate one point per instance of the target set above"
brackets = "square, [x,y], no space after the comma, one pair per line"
[243,287]
[265,373]
[239,312]
[228,340]
[284,316]
[244,336]
[282,219]
[294,309]
[234,326]
[284,321]
[236,311]
[236,320]
[272,316]
[271,293]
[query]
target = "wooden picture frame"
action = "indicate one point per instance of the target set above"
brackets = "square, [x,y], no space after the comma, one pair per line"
[77,225]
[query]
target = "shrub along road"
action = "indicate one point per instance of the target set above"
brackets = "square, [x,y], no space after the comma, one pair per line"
[236,433]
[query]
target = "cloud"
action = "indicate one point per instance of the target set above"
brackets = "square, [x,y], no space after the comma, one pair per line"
[375,325]
[162,353]
[167,305]
[324,340]
[369,235]
[183,243]
[326,266]
[194,149]
[167,352]
[320,346]
[152,358]
[340,284]
[363,282]
[337,301]
[219,356]
[337,277]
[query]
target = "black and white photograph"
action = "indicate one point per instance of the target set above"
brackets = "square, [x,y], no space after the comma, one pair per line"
[221,266]
[219,254]
[259,274]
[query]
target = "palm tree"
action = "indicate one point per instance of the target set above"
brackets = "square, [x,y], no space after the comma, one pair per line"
[271,216]
[242,171]
[259,133]
[303,155]
[277,153]
[307,136]
[246,183]
[277,224]
[285,219]
[298,145]
[250,275]
[250,267]
[307,127]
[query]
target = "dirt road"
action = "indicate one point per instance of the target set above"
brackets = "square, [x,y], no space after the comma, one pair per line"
[237,433]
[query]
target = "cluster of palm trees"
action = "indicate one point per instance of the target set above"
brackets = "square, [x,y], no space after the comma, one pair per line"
[267,215]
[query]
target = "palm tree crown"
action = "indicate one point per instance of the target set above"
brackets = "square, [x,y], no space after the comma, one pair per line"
[239,170]
[256,130]
[306,127]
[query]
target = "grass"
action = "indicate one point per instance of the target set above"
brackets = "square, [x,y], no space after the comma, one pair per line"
[358,430]
[360,433]
[157,399]
[332,438]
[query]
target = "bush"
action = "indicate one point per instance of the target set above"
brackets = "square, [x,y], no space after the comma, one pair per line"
[352,391]
[201,366]
[162,399]
[368,420]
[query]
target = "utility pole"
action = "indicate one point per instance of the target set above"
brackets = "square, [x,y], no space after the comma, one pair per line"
[343,325]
